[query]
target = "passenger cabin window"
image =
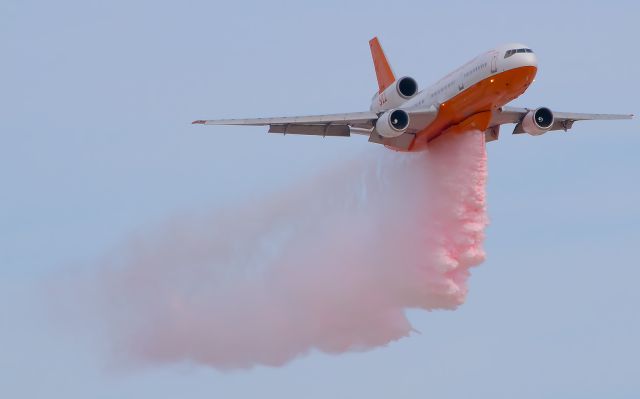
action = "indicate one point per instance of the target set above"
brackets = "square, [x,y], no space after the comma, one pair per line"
[511,52]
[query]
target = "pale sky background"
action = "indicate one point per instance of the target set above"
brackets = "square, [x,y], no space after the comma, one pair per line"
[96,100]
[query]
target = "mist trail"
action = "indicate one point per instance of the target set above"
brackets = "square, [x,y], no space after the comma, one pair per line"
[329,265]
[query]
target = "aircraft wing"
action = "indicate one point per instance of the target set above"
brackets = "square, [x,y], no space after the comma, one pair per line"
[562,120]
[318,125]
[335,125]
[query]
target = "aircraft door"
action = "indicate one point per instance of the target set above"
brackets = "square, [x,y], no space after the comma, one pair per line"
[494,62]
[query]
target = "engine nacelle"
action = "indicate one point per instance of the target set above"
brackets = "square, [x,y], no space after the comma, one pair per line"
[538,122]
[392,123]
[395,95]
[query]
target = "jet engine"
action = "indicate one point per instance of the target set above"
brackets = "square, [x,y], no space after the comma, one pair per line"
[538,121]
[392,123]
[395,95]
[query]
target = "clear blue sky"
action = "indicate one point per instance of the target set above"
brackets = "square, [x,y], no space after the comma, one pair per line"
[95,104]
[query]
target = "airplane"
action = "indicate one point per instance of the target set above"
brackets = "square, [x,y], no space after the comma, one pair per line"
[473,97]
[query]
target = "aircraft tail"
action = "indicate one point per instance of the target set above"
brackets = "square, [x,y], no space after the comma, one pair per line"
[383,69]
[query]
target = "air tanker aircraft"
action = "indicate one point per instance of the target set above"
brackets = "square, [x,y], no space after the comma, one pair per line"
[472,97]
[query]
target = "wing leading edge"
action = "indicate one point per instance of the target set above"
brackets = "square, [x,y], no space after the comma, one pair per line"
[562,120]
[364,123]
[335,125]
[318,125]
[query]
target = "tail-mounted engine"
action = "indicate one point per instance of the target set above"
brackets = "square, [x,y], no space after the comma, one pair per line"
[395,95]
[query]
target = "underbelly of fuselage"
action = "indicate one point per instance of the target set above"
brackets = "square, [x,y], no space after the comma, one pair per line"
[487,95]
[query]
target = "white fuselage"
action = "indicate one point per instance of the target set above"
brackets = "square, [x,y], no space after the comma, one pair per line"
[484,66]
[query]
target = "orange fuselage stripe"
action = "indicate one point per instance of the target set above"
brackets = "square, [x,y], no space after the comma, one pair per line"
[486,95]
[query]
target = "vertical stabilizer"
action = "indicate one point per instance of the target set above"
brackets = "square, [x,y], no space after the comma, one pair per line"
[383,69]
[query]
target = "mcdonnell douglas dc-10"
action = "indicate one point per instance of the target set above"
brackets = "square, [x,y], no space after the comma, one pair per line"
[472,97]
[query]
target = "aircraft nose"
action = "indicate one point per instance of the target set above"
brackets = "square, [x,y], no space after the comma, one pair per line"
[524,59]
[519,55]
[531,59]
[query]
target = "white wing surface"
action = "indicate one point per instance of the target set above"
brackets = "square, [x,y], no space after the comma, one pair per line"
[562,120]
[332,124]
[319,125]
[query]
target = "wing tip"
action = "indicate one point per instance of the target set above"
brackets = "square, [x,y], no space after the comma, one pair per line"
[198,122]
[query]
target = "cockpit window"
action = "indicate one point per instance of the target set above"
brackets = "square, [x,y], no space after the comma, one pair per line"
[511,52]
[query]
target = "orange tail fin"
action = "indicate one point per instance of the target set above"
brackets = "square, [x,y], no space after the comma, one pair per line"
[383,69]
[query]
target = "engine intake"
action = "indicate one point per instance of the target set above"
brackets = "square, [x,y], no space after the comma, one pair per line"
[538,122]
[395,95]
[392,123]
[407,87]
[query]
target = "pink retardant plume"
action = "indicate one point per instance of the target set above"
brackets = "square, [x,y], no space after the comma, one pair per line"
[330,265]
